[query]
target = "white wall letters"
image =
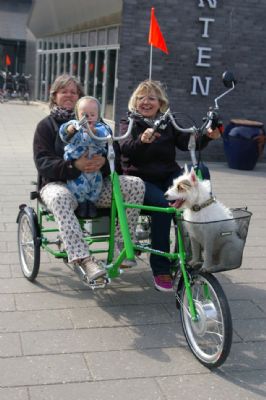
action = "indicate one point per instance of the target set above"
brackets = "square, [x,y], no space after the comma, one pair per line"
[197,82]
[204,54]
[212,3]
[206,26]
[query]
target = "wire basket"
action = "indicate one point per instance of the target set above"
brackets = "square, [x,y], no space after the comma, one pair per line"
[217,245]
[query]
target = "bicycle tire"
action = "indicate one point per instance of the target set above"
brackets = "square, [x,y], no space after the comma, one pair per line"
[28,243]
[210,337]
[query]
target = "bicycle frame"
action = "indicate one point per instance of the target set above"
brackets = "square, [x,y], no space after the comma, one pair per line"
[118,210]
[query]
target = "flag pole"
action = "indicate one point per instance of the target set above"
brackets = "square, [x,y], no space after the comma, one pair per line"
[150,73]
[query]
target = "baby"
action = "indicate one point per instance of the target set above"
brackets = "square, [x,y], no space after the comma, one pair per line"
[87,187]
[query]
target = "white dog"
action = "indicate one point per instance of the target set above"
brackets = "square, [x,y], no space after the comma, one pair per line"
[211,227]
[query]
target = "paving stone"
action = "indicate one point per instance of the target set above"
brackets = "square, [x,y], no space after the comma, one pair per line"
[137,295]
[246,357]
[241,291]
[247,276]
[60,300]
[7,302]
[76,341]
[14,394]
[119,316]
[130,389]
[252,330]
[5,271]
[43,370]
[144,363]
[248,386]
[19,321]
[22,285]
[245,310]
[10,345]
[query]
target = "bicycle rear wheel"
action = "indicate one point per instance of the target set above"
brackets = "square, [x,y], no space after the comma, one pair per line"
[28,243]
[210,336]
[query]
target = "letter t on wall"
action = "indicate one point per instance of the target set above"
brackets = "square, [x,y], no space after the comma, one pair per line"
[206,25]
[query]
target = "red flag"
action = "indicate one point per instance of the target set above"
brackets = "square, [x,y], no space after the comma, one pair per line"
[156,38]
[8,60]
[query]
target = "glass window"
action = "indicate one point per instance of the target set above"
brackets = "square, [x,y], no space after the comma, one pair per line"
[84,39]
[82,67]
[101,37]
[75,64]
[54,70]
[76,39]
[100,74]
[62,42]
[110,84]
[112,35]
[92,38]
[50,44]
[61,57]
[69,40]
[67,63]
[49,75]
[55,42]
[91,67]
[41,89]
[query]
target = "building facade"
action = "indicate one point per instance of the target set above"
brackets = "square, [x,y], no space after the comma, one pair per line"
[13,19]
[105,44]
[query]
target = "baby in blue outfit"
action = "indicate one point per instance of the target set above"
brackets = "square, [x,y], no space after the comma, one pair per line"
[87,187]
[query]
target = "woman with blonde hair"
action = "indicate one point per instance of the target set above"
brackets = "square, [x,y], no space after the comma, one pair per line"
[151,155]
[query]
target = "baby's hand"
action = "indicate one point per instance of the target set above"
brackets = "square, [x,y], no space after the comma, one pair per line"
[71,129]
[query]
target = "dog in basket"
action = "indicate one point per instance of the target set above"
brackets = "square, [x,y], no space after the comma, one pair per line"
[212,230]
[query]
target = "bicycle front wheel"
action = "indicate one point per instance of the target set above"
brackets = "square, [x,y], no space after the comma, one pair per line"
[210,335]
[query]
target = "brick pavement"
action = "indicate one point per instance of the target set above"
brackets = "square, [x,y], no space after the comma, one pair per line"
[59,340]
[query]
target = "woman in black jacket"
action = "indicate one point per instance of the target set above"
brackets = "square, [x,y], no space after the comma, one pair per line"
[54,171]
[152,157]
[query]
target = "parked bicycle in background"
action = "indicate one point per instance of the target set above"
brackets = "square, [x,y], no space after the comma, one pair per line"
[14,87]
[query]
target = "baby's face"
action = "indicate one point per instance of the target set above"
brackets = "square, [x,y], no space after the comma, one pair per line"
[90,108]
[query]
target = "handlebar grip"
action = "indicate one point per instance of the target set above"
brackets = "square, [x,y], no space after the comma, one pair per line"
[214,121]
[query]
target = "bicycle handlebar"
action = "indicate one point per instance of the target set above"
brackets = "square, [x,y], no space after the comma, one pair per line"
[83,123]
[211,121]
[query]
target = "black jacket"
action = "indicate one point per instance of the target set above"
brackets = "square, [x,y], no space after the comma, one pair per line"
[152,162]
[48,151]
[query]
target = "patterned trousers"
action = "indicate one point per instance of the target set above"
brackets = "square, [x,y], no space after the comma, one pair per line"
[62,204]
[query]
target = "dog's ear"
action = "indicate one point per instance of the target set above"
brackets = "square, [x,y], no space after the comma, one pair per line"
[193,176]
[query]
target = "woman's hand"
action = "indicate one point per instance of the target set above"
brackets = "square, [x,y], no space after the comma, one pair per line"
[214,134]
[149,136]
[92,165]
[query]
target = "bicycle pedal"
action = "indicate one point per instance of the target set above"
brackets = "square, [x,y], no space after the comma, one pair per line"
[99,283]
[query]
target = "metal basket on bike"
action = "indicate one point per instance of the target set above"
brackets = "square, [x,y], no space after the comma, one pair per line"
[225,240]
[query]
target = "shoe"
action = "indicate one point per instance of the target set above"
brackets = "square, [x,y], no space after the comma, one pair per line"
[92,269]
[163,283]
[126,263]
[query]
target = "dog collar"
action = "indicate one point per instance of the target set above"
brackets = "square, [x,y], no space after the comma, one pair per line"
[198,207]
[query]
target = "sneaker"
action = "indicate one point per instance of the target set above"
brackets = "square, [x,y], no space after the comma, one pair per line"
[163,283]
[125,263]
[92,269]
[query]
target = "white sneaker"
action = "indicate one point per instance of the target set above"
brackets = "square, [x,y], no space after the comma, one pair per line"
[92,269]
